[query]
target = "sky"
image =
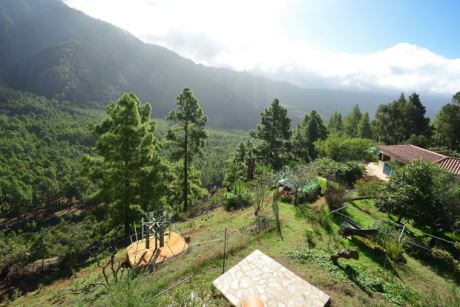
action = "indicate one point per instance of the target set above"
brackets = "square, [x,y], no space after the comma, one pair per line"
[406,45]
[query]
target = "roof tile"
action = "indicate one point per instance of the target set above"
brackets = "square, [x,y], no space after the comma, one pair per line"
[408,153]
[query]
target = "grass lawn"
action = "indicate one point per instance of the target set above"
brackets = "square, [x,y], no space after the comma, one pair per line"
[304,249]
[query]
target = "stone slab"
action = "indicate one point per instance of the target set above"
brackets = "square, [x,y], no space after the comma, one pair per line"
[260,275]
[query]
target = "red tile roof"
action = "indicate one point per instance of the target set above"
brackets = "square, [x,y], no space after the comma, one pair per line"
[408,153]
[451,164]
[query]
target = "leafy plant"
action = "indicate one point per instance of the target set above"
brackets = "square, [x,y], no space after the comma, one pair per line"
[335,195]
[325,219]
[310,235]
[238,198]
[396,293]
[343,172]
[447,257]
[369,187]
[341,148]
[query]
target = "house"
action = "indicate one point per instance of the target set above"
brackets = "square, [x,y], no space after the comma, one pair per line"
[408,153]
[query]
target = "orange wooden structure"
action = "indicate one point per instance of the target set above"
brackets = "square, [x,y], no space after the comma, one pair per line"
[139,256]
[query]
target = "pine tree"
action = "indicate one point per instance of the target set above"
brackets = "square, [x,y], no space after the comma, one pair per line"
[274,132]
[456,99]
[401,120]
[300,146]
[390,125]
[447,125]
[237,165]
[188,136]
[351,122]
[334,124]
[364,127]
[127,162]
[419,123]
[309,131]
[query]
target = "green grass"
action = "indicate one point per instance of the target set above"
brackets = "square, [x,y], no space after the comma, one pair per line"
[368,281]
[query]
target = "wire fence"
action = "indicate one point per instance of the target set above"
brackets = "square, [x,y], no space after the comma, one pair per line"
[398,232]
[201,246]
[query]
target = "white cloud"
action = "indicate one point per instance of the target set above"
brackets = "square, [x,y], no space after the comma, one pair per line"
[249,35]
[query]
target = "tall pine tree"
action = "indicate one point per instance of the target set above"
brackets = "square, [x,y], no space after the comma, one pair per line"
[364,127]
[420,125]
[334,125]
[398,121]
[351,122]
[274,131]
[188,137]
[127,164]
[447,125]
[309,131]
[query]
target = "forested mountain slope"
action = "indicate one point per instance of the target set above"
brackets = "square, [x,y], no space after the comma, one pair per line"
[58,52]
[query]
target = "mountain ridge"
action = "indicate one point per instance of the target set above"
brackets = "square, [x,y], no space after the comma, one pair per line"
[59,52]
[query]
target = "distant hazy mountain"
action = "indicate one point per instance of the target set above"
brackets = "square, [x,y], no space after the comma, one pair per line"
[55,51]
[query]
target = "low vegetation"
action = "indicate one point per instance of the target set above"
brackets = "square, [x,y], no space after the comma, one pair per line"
[73,188]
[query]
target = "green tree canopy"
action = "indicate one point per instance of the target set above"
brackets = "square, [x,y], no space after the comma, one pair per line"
[187,135]
[447,125]
[417,191]
[237,165]
[342,148]
[334,124]
[420,125]
[364,127]
[127,162]
[274,131]
[351,122]
[309,131]
[396,122]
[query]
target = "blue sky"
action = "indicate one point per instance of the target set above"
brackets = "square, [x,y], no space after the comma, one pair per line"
[404,45]
[370,25]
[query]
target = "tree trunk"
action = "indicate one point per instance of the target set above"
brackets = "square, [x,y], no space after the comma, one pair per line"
[275,209]
[126,201]
[185,187]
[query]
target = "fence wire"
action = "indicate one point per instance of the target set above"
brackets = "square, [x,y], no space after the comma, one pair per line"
[390,229]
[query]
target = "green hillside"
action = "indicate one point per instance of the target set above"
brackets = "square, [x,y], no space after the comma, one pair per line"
[304,248]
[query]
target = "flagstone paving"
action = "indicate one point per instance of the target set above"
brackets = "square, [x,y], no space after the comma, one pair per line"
[260,275]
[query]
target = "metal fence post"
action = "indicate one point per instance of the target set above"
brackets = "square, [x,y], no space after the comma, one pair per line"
[225,250]
[401,234]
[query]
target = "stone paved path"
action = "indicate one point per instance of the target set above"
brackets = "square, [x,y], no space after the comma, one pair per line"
[277,286]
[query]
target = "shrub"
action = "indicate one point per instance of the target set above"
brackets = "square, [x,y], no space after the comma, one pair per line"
[446,257]
[335,195]
[324,219]
[238,198]
[307,212]
[346,173]
[310,235]
[369,188]
[342,148]
[394,250]
[386,239]
[354,273]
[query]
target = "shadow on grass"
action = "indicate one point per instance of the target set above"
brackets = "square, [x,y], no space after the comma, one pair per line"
[353,275]
[437,265]
[377,256]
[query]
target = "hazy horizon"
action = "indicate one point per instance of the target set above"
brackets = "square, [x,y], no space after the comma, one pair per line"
[348,45]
